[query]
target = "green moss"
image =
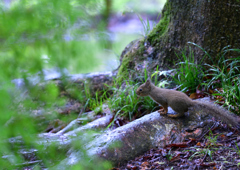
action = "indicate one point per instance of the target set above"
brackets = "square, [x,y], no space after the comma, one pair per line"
[124,68]
[128,60]
[161,27]
[154,36]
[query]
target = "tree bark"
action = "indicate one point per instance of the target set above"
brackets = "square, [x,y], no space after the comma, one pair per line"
[211,24]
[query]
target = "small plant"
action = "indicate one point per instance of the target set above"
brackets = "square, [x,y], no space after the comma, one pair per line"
[165,81]
[212,140]
[200,152]
[231,96]
[223,74]
[188,75]
[146,25]
[123,102]
[169,155]
[225,79]
[96,103]
[126,103]
[238,150]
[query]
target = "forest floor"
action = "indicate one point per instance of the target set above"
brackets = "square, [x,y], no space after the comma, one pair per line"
[217,149]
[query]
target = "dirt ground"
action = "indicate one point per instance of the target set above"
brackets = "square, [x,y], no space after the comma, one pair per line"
[217,150]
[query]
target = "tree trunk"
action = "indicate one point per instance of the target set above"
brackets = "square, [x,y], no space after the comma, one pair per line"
[211,24]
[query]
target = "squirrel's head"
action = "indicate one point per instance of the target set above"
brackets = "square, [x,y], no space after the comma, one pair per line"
[144,89]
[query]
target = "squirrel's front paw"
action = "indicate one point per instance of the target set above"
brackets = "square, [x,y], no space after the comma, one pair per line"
[162,111]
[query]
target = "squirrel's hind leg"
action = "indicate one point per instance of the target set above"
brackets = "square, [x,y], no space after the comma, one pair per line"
[165,110]
[179,106]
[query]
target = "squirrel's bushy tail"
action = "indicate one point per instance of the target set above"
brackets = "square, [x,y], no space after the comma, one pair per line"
[218,113]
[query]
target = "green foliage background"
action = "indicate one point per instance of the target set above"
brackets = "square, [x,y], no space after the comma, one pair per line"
[33,37]
[36,35]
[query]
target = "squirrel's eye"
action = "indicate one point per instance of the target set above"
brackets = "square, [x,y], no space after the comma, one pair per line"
[140,89]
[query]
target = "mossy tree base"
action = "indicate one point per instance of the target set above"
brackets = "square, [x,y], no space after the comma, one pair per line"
[211,24]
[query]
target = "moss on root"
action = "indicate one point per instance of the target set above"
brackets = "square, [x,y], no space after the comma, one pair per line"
[134,54]
[124,68]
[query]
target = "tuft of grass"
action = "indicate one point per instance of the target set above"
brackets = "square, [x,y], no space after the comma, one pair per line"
[165,81]
[225,78]
[147,27]
[169,155]
[188,75]
[212,140]
[237,150]
[232,96]
[200,152]
[95,103]
[225,71]
[222,76]
[126,104]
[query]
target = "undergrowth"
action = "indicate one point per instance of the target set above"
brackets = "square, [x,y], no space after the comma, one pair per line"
[146,25]
[188,75]
[225,80]
[221,79]
[125,102]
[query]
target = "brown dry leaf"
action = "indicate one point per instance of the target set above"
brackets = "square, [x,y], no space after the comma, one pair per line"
[175,158]
[132,167]
[145,164]
[193,96]
[210,91]
[178,145]
[198,94]
[199,144]
[222,136]
[206,164]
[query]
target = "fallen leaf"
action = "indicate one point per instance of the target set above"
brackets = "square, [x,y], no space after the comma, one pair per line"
[145,164]
[193,96]
[206,164]
[199,144]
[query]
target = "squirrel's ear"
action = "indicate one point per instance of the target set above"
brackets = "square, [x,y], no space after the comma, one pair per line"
[148,81]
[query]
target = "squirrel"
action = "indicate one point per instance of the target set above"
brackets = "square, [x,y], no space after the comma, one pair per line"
[181,103]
